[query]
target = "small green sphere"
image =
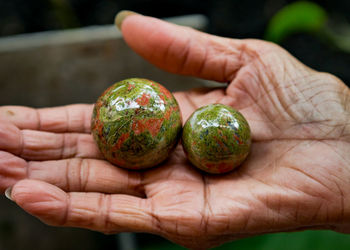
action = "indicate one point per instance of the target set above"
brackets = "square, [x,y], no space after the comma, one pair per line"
[136,123]
[216,138]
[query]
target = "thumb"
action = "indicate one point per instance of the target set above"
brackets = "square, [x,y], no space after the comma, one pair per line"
[180,49]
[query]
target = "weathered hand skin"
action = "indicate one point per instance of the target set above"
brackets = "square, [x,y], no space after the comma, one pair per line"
[216,138]
[136,123]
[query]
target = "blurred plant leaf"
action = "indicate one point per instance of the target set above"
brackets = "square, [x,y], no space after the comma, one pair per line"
[301,16]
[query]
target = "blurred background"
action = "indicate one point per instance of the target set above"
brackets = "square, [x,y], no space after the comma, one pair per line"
[57,52]
[231,18]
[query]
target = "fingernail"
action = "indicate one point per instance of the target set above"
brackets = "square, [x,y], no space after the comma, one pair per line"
[120,17]
[8,192]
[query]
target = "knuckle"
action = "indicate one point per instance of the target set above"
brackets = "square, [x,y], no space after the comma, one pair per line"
[84,174]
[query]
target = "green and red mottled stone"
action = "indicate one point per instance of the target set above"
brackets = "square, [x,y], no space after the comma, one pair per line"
[216,138]
[136,123]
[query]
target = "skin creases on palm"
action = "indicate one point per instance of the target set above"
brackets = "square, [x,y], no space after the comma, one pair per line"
[294,175]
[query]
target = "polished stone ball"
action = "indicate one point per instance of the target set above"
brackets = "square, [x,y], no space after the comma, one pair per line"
[136,123]
[216,138]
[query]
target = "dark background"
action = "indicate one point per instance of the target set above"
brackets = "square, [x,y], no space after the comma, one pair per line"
[230,18]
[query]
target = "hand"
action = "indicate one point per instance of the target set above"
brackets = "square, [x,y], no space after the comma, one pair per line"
[296,177]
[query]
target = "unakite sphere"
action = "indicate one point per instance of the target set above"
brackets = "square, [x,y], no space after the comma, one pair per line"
[216,138]
[136,123]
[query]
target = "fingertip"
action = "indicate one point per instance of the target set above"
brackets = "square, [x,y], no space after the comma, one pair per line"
[10,137]
[40,199]
[34,191]
[151,38]
[12,169]
[8,193]
[121,16]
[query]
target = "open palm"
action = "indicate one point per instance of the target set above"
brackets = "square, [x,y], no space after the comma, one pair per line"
[296,176]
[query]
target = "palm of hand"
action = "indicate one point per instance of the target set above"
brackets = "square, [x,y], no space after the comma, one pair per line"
[294,178]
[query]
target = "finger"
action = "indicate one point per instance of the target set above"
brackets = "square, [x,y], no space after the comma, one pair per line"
[38,145]
[12,169]
[183,50]
[81,175]
[87,175]
[95,211]
[70,118]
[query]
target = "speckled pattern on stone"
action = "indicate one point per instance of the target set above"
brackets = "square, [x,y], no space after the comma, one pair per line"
[216,138]
[136,123]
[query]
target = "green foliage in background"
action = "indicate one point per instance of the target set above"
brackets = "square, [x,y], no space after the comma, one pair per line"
[301,16]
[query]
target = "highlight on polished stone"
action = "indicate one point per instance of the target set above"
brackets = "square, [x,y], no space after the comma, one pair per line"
[136,123]
[216,138]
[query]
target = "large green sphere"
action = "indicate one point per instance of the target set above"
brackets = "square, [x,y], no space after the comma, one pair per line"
[136,123]
[216,138]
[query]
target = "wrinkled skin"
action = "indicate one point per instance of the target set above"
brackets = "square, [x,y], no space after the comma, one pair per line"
[296,177]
